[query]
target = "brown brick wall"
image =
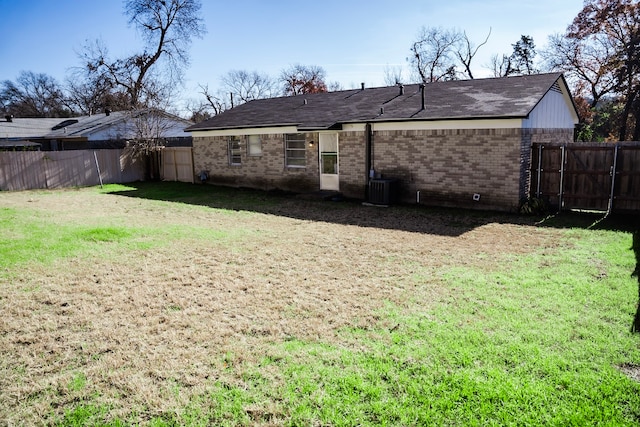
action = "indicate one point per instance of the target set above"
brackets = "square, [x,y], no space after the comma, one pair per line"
[352,158]
[266,172]
[447,166]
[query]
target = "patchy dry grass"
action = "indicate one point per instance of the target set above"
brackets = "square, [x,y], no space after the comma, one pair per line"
[167,304]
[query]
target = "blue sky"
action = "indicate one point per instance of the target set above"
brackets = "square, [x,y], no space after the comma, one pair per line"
[354,41]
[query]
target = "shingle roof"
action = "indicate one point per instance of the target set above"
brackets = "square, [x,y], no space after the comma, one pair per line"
[19,128]
[79,127]
[509,97]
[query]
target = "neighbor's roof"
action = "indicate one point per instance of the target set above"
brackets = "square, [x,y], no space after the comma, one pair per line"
[19,128]
[508,97]
[73,127]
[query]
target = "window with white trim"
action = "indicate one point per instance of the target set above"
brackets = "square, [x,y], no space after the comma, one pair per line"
[295,150]
[235,157]
[254,145]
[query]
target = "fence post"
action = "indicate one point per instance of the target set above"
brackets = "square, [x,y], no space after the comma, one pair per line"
[540,147]
[95,157]
[175,165]
[614,171]
[563,157]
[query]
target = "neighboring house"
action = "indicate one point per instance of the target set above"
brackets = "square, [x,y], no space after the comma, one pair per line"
[19,145]
[20,134]
[455,143]
[105,130]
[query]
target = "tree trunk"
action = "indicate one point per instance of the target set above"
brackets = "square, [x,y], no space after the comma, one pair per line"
[152,166]
[624,119]
[636,113]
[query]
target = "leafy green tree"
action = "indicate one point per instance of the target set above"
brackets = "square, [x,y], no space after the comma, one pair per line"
[524,52]
[521,60]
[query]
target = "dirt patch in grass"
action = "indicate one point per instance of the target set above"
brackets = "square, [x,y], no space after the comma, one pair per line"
[631,370]
[149,329]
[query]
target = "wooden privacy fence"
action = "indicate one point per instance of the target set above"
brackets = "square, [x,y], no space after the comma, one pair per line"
[589,176]
[27,170]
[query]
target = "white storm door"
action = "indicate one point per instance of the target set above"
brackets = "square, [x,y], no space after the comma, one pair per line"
[328,146]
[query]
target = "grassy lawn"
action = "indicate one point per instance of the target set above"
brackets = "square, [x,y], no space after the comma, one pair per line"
[175,304]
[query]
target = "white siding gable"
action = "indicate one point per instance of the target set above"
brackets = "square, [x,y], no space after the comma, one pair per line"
[554,111]
[125,129]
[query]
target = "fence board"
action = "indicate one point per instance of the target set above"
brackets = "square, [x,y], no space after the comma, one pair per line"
[593,176]
[628,179]
[27,170]
[587,182]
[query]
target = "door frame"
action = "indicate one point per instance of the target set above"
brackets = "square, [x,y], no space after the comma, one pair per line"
[328,143]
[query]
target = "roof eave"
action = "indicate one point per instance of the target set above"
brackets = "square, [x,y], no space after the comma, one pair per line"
[269,125]
[435,119]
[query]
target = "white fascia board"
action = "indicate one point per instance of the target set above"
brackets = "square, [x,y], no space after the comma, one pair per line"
[353,127]
[244,131]
[449,124]
[378,126]
[435,124]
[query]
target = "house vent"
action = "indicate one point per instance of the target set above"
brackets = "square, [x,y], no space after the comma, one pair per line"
[556,87]
[64,124]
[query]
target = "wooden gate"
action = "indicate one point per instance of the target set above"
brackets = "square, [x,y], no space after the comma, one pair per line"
[588,176]
[177,164]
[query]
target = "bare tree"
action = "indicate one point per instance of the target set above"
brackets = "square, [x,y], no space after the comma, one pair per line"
[33,95]
[247,86]
[198,110]
[466,50]
[394,75]
[299,79]
[167,26]
[334,86]
[146,135]
[216,103]
[615,24]
[586,63]
[433,55]
[502,66]
[90,93]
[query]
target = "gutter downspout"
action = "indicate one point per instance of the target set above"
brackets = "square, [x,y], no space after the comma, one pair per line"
[368,157]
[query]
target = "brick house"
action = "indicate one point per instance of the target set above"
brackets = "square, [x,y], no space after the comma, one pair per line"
[457,143]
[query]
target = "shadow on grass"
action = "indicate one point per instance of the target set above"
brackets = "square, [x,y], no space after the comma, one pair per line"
[404,217]
[315,207]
